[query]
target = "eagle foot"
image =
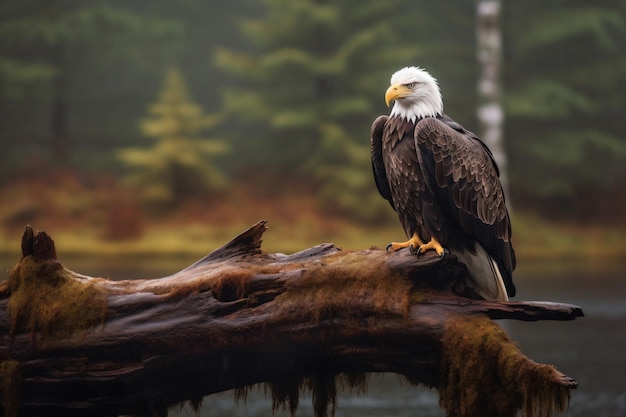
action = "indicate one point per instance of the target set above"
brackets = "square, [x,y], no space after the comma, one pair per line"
[415,241]
[433,244]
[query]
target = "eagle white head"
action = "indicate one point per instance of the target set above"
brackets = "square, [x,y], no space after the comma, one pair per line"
[415,94]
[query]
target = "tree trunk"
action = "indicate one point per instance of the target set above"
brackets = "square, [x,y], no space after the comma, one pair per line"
[77,345]
[490,110]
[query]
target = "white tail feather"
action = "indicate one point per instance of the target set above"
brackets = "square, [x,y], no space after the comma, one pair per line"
[486,277]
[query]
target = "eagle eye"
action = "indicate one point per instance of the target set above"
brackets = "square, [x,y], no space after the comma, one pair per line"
[411,85]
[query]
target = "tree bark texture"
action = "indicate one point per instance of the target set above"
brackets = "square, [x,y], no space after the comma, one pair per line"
[78,345]
[490,110]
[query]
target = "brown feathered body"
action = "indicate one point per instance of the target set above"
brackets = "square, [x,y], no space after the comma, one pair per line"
[443,183]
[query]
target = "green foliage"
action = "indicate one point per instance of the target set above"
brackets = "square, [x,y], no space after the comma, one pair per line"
[179,163]
[55,54]
[547,99]
[564,97]
[34,38]
[19,78]
[583,20]
[344,171]
[310,89]
[300,82]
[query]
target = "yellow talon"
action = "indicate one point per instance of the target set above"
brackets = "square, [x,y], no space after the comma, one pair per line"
[414,242]
[432,244]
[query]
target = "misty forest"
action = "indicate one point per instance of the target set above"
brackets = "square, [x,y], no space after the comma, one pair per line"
[122,116]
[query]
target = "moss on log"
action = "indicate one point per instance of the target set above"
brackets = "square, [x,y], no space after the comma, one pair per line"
[46,300]
[76,345]
[498,380]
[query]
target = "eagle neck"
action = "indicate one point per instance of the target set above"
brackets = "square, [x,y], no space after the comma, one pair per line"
[415,111]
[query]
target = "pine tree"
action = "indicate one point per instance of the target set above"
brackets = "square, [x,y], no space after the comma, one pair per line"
[565,77]
[179,164]
[307,95]
[44,46]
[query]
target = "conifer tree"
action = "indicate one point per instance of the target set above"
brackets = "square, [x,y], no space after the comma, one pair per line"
[565,124]
[179,164]
[44,46]
[306,97]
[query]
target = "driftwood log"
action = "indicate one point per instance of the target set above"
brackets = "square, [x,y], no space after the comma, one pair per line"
[77,345]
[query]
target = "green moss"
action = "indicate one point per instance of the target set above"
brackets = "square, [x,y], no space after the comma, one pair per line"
[46,298]
[363,276]
[10,377]
[483,373]
[372,288]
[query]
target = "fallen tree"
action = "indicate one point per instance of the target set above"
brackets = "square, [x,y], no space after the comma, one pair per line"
[78,345]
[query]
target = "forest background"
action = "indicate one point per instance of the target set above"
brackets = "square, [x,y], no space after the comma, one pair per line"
[165,127]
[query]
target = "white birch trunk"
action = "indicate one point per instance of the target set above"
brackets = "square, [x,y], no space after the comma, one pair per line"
[490,110]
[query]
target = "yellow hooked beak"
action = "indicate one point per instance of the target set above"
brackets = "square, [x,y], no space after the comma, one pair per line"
[396,91]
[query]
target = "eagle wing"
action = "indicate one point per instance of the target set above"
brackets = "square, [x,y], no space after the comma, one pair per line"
[460,171]
[378,165]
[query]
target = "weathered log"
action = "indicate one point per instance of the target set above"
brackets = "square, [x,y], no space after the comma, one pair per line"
[76,345]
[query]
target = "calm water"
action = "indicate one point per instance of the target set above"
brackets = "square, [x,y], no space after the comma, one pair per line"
[591,349]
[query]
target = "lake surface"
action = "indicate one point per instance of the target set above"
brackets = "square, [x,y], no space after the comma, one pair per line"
[591,349]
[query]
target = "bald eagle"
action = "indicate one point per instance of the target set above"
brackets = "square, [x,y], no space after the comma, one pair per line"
[444,184]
